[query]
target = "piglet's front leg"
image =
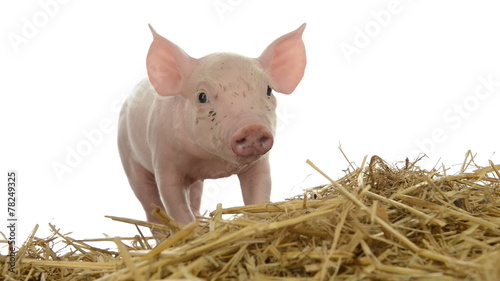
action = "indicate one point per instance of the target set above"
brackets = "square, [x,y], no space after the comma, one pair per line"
[256,183]
[174,193]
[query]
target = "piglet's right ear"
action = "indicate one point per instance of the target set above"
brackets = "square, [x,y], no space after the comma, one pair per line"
[168,65]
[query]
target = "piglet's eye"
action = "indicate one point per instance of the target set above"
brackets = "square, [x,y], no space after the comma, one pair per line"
[202,97]
[269,91]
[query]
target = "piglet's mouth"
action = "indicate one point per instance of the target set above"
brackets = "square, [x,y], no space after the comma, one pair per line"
[238,164]
[249,159]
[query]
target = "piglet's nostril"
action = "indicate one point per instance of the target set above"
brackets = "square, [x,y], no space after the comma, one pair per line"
[264,140]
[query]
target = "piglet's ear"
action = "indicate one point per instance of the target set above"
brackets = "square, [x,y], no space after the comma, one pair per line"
[285,61]
[168,65]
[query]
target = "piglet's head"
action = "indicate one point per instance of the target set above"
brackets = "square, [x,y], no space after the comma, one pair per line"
[228,106]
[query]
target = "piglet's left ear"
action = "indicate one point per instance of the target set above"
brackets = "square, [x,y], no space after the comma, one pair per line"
[285,61]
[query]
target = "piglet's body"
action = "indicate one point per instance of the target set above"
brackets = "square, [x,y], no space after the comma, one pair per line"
[206,118]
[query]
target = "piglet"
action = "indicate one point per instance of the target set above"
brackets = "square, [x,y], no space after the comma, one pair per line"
[196,119]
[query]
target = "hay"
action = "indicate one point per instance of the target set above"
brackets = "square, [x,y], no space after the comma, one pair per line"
[379,222]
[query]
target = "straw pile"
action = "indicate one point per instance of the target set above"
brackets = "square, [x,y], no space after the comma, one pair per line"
[379,222]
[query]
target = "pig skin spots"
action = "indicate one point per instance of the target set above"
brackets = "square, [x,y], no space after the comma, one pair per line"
[269,91]
[212,114]
[222,87]
[204,113]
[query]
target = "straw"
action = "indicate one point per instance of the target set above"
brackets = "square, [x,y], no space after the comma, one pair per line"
[378,222]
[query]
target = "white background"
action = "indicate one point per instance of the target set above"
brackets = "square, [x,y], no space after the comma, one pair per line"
[66,66]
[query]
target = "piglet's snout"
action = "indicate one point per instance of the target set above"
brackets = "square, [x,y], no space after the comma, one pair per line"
[252,140]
